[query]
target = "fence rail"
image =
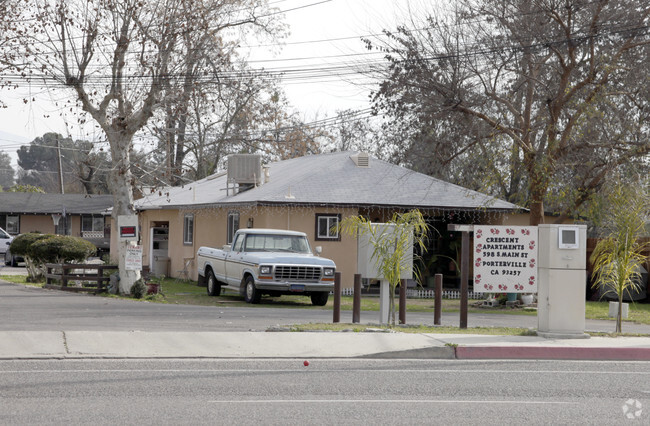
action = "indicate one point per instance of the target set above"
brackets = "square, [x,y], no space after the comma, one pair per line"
[427,294]
[86,277]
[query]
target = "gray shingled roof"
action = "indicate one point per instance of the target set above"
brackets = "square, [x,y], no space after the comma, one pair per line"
[330,179]
[34,203]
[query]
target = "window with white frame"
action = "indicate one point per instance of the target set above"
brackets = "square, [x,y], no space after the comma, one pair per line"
[233,225]
[327,227]
[188,229]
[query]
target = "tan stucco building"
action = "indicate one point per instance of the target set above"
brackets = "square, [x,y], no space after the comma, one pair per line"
[308,194]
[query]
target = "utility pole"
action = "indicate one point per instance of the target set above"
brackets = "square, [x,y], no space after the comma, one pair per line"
[58,148]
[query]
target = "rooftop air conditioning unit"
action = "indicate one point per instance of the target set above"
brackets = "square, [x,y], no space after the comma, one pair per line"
[245,169]
[361,159]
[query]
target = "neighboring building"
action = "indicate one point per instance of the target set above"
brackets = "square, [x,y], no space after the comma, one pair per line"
[309,194]
[79,215]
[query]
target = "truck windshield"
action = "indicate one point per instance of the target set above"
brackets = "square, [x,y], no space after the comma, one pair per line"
[266,242]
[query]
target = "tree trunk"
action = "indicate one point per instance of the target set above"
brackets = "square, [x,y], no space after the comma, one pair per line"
[121,182]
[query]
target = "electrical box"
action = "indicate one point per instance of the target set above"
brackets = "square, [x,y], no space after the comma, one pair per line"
[128,227]
[368,266]
[562,281]
[563,246]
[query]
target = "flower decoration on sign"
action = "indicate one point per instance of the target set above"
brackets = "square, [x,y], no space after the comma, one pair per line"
[488,286]
[510,231]
[478,234]
[503,287]
[479,247]
[477,279]
[478,262]
[531,280]
[531,245]
[525,231]
[532,263]
[519,287]
[495,231]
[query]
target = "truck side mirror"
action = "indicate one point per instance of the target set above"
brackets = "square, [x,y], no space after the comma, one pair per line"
[318,250]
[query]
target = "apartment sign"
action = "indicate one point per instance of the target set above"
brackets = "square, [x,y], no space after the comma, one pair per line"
[505,259]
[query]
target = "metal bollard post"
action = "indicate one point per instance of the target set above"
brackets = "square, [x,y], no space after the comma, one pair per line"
[437,304]
[356,301]
[337,298]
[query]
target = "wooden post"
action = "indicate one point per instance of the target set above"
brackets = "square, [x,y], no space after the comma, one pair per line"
[402,302]
[464,278]
[356,301]
[437,303]
[337,297]
[464,269]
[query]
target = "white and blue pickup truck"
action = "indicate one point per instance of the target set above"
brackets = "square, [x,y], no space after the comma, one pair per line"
[266,261]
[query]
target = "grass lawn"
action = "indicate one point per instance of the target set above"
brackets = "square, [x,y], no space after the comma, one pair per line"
[188,293]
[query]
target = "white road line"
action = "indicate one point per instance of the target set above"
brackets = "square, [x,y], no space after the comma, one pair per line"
[316,370]
[390,401]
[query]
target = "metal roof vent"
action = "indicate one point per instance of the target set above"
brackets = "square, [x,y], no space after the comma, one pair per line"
[245,171]
[361,159]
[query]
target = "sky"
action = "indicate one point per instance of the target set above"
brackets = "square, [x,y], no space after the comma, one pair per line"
[323,34]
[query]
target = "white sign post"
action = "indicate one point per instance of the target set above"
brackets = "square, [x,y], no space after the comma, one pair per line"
[505,259]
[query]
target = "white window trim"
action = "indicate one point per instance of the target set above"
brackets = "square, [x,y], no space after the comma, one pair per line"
[188,236]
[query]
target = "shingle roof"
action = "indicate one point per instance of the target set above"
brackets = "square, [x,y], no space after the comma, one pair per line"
[330,179]
[35,203]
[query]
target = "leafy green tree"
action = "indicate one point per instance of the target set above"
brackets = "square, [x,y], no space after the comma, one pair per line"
[84,168]
[618,257]
[391,249]
[6,171]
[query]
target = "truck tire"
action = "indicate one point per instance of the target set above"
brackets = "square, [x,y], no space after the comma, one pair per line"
[319,298]
[214,287]
[251,294]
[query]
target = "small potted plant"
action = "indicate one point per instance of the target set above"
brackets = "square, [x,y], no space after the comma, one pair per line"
[153,284]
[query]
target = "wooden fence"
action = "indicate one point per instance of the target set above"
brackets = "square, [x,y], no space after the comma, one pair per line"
[78,277]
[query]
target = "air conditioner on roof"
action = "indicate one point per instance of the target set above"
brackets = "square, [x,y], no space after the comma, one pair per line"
[245,169]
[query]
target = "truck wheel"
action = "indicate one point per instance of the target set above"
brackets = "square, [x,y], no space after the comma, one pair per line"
[214,287]
[251,294]
[319,298]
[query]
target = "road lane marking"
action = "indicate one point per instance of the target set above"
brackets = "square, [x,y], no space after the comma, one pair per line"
[390,401]
[316,370]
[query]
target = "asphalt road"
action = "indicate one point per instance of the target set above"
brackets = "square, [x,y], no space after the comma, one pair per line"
[34,309]
[351,391]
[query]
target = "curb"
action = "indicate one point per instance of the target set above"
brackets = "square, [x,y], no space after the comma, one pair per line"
[564,353]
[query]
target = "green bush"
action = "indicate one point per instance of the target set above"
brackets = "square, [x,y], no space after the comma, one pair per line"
[61,249]
[21,245]
[139,289]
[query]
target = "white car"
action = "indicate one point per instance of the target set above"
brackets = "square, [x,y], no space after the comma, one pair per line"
[5,240]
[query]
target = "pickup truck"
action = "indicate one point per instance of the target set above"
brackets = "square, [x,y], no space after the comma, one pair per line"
[266,261]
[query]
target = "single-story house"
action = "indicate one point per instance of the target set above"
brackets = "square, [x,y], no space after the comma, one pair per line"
[308,194]
[79,215]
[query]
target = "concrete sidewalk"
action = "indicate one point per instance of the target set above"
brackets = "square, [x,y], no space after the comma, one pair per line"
[310,345]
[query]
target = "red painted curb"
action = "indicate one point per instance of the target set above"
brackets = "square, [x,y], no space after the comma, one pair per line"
[536,352]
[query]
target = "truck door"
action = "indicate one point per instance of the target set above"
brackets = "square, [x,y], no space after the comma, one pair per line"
[234,265]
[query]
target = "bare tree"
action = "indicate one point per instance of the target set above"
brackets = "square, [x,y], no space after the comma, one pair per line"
[549,91]
[118,57]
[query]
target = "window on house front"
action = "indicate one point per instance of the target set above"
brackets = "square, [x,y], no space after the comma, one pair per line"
[233,225]
[90,223]
[65,225]
[188,229]
[10,223]
[327,227]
